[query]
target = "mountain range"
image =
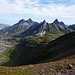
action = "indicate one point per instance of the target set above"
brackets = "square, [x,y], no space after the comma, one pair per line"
[17,28]
[3,26]
[29,28]
[39,48]
[72,27]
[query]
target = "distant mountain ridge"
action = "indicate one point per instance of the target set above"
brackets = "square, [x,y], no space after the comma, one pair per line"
[29,28]
[3,25]
[72,27]
[36,29]
[46,28]
[61,27]
[17,28]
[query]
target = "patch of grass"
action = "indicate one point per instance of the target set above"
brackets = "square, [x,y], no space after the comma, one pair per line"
[5,56]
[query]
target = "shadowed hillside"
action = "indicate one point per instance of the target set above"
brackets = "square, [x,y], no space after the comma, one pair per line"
[62,47]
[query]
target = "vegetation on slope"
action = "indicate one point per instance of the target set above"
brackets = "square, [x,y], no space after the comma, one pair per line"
[61,67]
[54,50]
[29,42]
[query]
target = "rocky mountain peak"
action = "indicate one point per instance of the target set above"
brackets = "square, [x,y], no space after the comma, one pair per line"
[21,21]
[56,21]
[44,22]
[30,20]
[62,23]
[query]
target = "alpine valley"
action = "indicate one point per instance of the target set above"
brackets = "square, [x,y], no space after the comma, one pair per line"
[32,48]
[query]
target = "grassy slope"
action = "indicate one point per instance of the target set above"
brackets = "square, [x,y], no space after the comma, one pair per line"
[54,30]
[29,42]
[61,47]
[49,68]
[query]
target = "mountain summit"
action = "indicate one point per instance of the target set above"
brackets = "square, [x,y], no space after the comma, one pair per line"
[56,21]
[21,21]
[61,27]
[17,28]
[30,20]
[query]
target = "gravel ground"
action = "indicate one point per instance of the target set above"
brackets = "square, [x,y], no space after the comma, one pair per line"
[67,72]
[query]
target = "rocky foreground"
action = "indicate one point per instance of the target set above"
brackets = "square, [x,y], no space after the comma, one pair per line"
[61,67]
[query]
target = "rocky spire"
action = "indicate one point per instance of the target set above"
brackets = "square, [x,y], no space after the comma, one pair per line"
[56,21]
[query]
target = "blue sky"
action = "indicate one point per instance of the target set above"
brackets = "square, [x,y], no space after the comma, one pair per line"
[11,11]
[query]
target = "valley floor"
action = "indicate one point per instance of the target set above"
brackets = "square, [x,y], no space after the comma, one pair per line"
[61,67]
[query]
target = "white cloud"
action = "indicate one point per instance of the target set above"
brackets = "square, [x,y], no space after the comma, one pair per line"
[35,8]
